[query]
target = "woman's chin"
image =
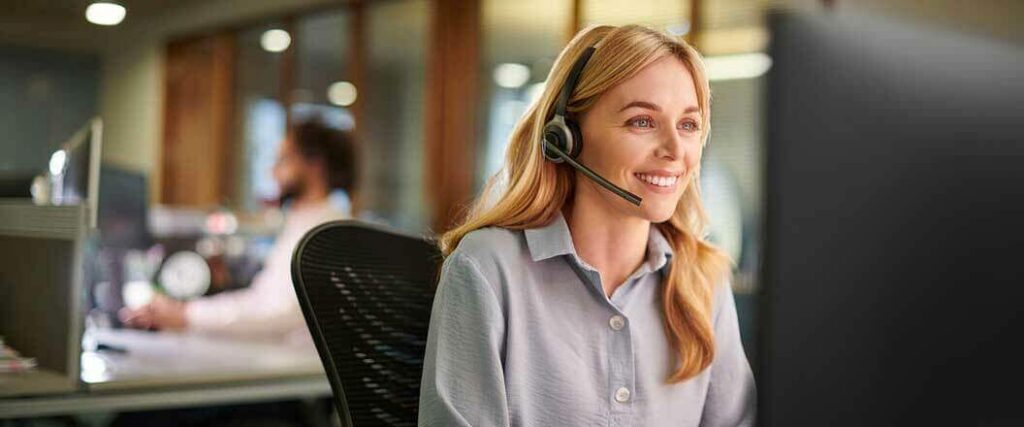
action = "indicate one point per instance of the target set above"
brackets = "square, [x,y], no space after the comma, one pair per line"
[661,218]
[656,214]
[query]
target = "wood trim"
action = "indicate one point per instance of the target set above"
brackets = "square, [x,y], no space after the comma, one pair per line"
[223,75]
[167,132]
[196,168]
[451,109]
[357,75]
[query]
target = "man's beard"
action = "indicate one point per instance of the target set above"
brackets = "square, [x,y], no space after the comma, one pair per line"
[290,192]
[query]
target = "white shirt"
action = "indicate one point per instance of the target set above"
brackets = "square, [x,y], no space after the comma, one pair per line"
[268,307]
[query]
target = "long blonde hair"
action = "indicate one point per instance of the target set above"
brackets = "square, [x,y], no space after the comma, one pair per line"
[536,190]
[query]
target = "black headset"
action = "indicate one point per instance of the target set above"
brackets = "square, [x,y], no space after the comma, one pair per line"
[562,140]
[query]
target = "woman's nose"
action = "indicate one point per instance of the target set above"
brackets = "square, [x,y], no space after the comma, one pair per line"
[670,146]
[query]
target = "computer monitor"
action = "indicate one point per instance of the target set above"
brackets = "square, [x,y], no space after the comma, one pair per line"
[74,169]
[893,280]
[122,218]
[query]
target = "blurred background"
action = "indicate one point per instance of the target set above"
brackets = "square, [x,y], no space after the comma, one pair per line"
[195,96]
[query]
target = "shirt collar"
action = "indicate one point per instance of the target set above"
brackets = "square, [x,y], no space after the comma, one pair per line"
[550,240]
[554,240]
[659,251]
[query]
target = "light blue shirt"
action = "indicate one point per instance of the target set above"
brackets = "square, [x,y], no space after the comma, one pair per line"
[522,334]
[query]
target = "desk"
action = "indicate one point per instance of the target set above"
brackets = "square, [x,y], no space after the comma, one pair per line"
[36,381]
[170,359]
[170,370]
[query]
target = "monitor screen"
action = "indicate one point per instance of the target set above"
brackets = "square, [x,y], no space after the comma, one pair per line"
[893,287]
[123,208]
[74,169]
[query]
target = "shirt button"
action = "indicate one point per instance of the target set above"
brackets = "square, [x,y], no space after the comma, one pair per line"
[622,395]
[617,322]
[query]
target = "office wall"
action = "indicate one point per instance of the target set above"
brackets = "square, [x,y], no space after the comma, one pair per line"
[132,96]
[132,77]
[131,106]
[45,96]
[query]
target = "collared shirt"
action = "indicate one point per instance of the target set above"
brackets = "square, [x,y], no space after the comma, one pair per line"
[268,307]
[522,334]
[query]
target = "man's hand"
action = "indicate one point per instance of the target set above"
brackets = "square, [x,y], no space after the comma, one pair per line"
[160,313]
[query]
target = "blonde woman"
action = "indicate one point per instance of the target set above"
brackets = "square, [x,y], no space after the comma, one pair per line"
[567,301]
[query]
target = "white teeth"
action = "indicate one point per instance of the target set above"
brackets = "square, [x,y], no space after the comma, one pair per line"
[661,181]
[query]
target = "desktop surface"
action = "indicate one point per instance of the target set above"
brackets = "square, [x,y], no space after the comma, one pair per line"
[158,359]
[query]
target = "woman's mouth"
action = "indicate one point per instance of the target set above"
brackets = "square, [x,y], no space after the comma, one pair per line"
[659,183]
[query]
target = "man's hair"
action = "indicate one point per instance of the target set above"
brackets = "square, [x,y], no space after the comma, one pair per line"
[317,141]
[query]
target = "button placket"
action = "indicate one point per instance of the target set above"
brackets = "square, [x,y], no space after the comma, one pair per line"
[622,395]
[617,322]
[622,376]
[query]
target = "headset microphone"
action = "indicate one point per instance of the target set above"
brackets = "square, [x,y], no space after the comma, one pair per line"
[563,141]
[630,197]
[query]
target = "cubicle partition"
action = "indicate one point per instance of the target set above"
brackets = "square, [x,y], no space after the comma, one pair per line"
[41,294]
[42,303]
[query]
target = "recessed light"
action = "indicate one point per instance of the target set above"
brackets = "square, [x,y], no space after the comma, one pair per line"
[275,40]
[511,75]
[342,93]
[105,13]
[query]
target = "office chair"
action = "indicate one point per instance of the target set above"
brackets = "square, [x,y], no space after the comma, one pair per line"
[366,294]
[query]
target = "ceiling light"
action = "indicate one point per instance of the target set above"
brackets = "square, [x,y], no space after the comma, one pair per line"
[733,67]
[511,75]
[105,13]
[342,93]
[275,40]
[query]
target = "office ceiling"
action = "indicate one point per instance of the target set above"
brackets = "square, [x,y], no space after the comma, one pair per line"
[75,9]
[62,24]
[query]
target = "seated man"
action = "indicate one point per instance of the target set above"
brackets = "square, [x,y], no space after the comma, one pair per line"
[311,164]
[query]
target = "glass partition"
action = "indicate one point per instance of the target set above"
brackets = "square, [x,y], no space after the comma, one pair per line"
[259,113]
[392,179]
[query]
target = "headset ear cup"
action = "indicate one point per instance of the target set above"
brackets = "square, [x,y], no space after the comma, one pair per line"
[577,138]
[555,134]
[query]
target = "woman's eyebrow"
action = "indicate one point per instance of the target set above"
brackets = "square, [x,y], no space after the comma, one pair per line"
[655,107]
[641,104]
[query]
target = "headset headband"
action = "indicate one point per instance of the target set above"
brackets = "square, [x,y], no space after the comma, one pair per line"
[570,82]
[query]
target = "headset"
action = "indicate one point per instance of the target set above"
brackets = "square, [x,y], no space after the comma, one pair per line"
[563,141]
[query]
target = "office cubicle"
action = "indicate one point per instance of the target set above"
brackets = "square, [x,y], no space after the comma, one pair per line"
[40,294]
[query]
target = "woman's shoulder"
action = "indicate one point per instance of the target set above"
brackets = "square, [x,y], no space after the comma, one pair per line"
[724,299]
[492,249]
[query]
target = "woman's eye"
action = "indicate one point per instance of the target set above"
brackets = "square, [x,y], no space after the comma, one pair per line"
[641,122]
[689,126]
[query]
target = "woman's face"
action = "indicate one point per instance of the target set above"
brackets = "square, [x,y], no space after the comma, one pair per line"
[644,136]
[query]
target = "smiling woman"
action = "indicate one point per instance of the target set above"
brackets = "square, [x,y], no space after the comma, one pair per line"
[647,130]
[563,303]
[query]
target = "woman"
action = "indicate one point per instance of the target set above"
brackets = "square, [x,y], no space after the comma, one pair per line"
[561,303]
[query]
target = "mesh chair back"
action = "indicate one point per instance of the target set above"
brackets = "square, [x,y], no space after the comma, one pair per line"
[366,294]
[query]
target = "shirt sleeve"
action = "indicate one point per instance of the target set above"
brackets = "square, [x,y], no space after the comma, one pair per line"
[267,307]
[463,377]
[731,399]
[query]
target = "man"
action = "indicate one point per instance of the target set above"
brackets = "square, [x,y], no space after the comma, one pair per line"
[311,164]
